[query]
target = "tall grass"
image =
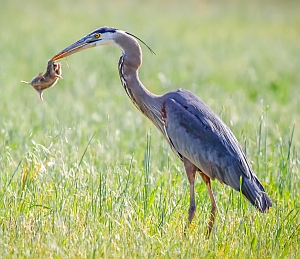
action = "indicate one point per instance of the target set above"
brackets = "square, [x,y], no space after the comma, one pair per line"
[84,175]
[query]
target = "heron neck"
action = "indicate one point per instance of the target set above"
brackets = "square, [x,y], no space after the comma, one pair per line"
[147,102]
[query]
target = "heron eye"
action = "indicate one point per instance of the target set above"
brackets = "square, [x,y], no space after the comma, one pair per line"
[97,35]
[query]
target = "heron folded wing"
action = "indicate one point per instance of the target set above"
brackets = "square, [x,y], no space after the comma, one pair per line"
[198,141]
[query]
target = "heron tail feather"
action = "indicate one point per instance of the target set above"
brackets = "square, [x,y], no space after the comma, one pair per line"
[255,193]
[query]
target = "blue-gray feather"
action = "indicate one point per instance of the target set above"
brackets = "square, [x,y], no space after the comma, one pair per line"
[198,134]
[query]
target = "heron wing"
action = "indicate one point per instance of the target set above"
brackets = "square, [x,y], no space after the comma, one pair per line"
[198,134]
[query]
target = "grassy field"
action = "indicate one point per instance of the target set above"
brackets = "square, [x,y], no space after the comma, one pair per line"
[85,175]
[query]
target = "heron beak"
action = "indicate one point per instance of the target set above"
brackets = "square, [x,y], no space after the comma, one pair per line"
[80,45]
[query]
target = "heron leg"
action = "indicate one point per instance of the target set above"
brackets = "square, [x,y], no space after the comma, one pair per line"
[191,172]
[214,208]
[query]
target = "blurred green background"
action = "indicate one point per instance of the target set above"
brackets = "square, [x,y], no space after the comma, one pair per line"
[242,58]
[224,51]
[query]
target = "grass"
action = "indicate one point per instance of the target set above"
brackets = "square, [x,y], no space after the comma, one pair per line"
[84,175]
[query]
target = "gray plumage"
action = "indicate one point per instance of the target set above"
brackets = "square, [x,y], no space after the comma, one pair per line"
[195,133]
[198,134]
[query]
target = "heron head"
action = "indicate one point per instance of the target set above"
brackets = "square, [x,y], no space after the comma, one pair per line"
[101,36]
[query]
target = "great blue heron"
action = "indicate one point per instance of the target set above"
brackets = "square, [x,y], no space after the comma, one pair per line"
[194,132]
